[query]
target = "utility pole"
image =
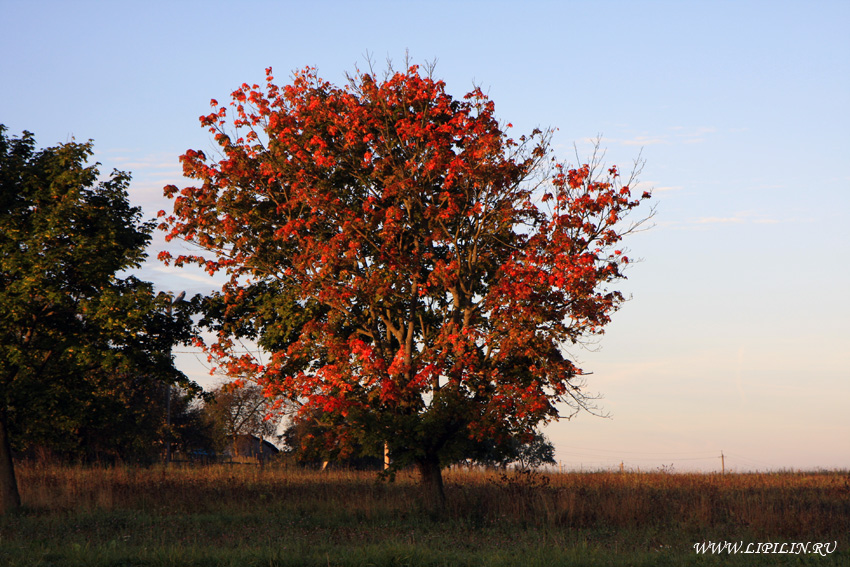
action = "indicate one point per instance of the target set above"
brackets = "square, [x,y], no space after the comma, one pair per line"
[168,424]
[171,305]
[722,463]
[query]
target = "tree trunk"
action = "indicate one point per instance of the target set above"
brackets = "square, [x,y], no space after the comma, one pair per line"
[10,499]
[432,483]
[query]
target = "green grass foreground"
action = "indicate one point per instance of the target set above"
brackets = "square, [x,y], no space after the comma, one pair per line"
[245,516]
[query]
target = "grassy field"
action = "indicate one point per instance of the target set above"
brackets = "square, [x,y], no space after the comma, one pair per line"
[244,516]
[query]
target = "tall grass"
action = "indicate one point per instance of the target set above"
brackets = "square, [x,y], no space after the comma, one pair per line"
[245,515]
[766,504]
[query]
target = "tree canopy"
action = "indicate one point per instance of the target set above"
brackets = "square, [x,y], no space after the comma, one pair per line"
[84,348]
[414,272]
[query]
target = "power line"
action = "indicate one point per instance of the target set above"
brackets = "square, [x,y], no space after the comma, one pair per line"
[616,452]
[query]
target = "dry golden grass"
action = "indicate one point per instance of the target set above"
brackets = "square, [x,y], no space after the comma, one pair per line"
[766,504]
[245,511]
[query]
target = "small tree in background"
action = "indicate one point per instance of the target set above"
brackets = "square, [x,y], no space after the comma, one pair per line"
[240,410]
[413,270]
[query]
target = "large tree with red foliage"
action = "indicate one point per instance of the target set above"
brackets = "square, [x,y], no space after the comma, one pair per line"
[414,273]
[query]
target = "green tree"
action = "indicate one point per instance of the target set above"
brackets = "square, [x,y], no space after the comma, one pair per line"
[527,451]
[83,351]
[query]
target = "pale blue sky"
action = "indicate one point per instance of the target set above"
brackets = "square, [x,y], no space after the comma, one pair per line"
[737,338]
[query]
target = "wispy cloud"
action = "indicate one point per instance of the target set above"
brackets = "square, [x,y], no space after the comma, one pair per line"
[739,218]
[152,165]
[142,165]
[674,135]
[644,141]
[717,220]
